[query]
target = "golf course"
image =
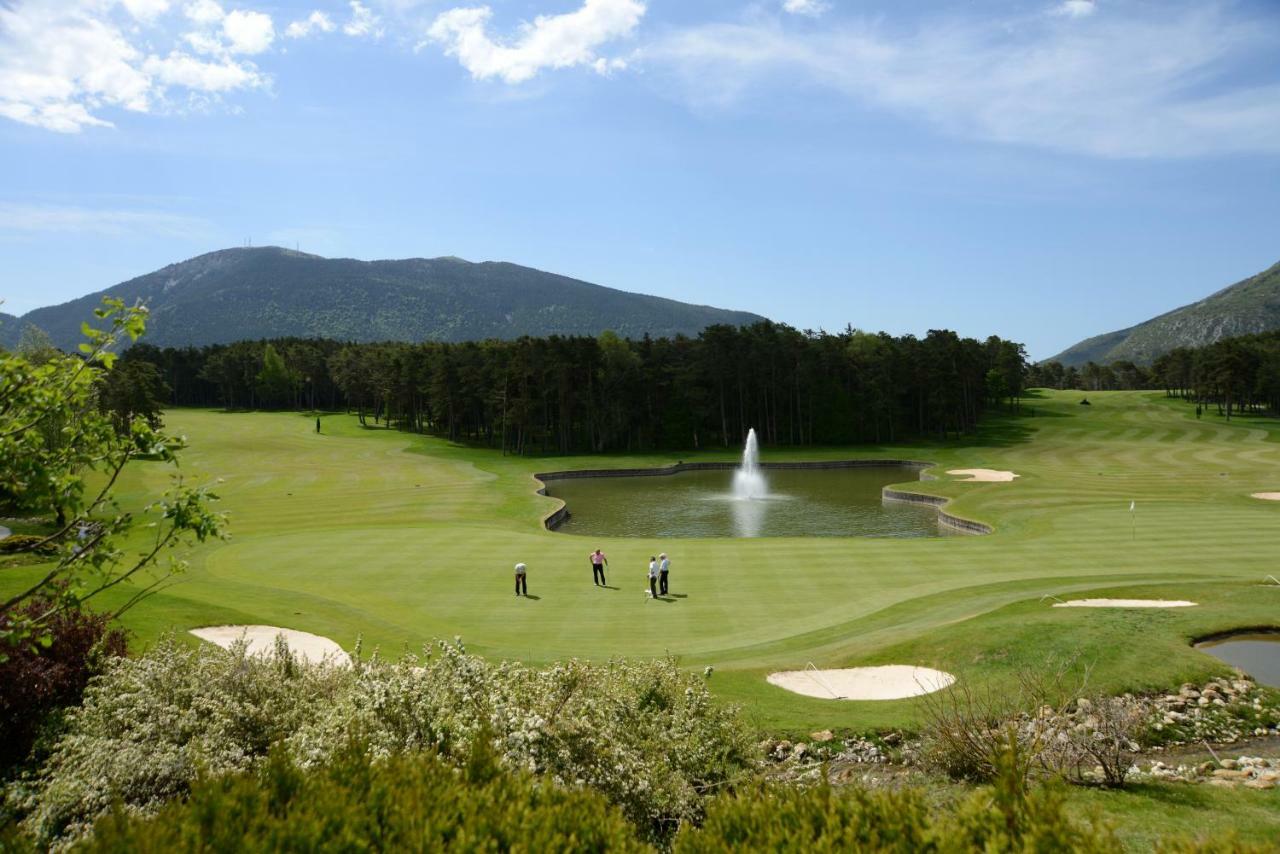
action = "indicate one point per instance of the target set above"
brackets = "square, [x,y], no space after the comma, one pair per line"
[395,539]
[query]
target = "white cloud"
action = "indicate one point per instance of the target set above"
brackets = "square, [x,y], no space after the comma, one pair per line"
[316,22]
[551,41]
[33,218]
[62,62]
[204,12]
[1075,8]
[362,22]
[146,10]
[1116,85]
[248,32]
[812,8]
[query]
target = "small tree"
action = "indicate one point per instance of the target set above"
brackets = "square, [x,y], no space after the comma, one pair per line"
[60,454]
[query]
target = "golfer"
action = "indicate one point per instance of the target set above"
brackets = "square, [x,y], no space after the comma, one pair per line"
[598,564]
[653,578]
[522,580]
[664,566]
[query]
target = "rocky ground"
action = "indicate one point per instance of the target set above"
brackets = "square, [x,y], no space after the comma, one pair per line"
[1223,733]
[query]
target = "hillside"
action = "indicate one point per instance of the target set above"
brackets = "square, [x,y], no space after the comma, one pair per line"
[10,328]
[269,292]
[1252,305]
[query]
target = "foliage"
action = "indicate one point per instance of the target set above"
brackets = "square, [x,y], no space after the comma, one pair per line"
[645,735]
[132,389]
[61,454]
[37,680]
[567,394]
[269,292]
[27,544]
[1003,817]
[414,802]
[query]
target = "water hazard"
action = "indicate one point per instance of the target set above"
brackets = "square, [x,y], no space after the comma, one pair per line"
[840,502]
[1257,654]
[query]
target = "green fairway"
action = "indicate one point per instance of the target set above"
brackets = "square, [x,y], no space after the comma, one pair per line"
[399,539]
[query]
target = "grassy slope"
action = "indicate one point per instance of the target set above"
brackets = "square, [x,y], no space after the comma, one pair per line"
[400,539]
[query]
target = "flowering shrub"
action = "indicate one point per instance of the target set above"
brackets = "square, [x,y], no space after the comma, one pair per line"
[644,734]
[149,725]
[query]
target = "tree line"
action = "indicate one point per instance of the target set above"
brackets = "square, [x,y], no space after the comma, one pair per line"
[1236,375]
[563,394]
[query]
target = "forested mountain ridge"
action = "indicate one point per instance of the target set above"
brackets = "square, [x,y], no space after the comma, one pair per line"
[1244,308]
[10,330]
[269,292]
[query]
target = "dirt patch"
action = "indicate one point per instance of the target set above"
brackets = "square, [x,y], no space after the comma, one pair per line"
[1125,603]
[984,475]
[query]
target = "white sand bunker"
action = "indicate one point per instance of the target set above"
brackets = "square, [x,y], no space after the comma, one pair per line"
[1125,603]
[262,640]
[984,475]
[1267,496]
[888,682]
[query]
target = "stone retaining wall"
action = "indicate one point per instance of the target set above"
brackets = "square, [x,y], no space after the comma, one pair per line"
[557,517]
[967,526]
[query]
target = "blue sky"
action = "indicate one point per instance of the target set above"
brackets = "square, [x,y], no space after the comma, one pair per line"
[1042,170]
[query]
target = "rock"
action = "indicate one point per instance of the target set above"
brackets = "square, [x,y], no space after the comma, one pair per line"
[1214,781]
[1260,784]
[822,735]
[1229,774]
[1230,764]
[799,751]
[893,739]
[1205,768]
[1084,705]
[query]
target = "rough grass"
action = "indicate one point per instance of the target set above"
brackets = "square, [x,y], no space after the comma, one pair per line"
[399,538]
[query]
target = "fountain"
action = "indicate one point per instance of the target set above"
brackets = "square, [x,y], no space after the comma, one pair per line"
[748,481]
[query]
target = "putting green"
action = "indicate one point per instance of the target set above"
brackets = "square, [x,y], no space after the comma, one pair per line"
[398,539]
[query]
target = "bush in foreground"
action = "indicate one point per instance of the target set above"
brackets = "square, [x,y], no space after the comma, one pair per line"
[36,680]
[1004,817]
[645,735]
[412,802]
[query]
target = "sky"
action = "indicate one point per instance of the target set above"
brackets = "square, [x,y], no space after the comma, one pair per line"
[1042,170]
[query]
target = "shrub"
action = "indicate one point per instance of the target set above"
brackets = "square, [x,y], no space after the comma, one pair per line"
[36,680]
[149,725]
[413,802]
[27,543]
[1003,817]
[646,735]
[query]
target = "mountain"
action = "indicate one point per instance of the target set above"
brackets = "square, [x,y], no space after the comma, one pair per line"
[1243,308]
[269,292]
[10,331]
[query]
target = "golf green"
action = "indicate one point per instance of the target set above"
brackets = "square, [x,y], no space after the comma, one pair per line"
[398,539]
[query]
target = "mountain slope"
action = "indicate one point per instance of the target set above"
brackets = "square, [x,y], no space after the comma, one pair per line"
[10,331]
[269,292]
[1252,305]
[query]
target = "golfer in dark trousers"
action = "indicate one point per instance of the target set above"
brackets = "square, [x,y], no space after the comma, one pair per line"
[598,563]
[653,578]
[664,566]
[522,580]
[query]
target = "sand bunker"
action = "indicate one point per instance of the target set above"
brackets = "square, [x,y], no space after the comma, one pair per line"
[262,639]
[1125,603]
[1267,496]
[888,682]
[984,475]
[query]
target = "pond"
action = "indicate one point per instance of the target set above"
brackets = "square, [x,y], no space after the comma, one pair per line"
[1256,653]
[810,502]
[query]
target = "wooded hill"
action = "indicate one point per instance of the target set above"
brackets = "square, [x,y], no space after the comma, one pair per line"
[1246,307]
[269,292]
